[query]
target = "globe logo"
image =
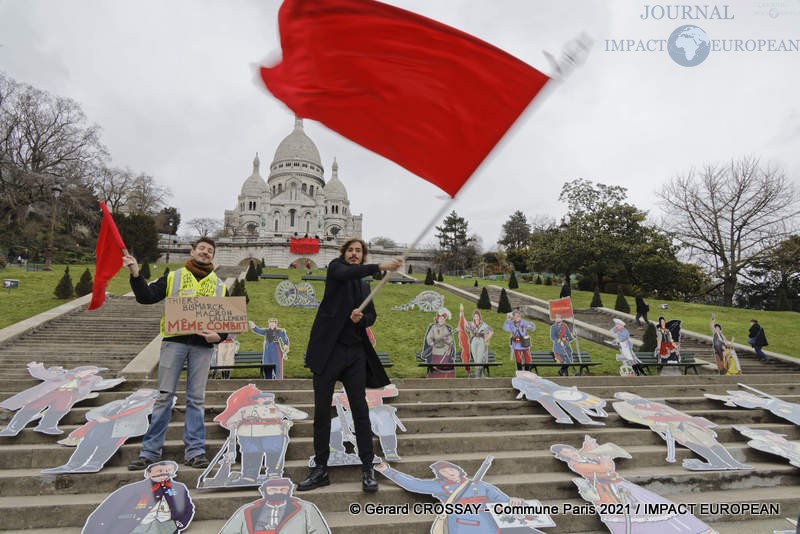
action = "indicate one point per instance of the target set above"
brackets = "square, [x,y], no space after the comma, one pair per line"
[688,46]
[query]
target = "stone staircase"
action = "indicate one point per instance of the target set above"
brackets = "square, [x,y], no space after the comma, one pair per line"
[108,337]
[460,420]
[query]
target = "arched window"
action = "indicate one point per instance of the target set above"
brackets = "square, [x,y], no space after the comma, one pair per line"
[276,223]
[304,188]
[280,188]
[293,191]
[311,190]
[291,218]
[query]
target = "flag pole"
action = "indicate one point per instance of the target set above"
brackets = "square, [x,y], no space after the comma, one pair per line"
[439,214]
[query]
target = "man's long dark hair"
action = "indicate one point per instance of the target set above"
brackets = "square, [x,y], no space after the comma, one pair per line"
[343,248]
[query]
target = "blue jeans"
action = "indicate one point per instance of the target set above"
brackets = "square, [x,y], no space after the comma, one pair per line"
[170,364]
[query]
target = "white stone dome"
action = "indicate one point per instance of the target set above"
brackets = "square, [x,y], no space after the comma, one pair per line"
[334,189]
[254,185]
[297,146]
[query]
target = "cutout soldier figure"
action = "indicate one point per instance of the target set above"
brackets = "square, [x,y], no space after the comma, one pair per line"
[451,485]
[383,421]
[695,433]
[54,398]
[562,336]
[520,341]
[278,512]
[107,428]
[156,505]
[276,347]
[601,485]
[560,401]
[262,429]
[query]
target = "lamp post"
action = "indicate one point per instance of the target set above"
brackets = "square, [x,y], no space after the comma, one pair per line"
[55,189]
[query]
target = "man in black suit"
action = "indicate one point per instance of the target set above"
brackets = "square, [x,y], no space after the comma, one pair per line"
[339,349]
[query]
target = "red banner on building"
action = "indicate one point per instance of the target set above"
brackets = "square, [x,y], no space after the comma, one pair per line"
[304,245]
[562,307]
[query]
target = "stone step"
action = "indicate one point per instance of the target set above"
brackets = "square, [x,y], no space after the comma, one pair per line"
[536,419]
[70,510]
[43,455]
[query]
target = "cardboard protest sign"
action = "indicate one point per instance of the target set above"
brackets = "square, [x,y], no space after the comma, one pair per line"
[192,315]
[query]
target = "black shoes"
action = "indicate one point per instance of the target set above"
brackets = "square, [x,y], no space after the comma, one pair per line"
[368,482]
[139,464]
[199,462]
[317,477]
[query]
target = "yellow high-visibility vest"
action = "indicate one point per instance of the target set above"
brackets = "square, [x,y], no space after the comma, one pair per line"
[189,286]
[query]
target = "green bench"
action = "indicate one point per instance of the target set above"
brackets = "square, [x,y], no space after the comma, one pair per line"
[491,362]
[243,360]
[687,362]
[548,359]
[274,276]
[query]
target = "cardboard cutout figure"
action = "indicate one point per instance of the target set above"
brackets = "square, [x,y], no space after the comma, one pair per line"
[224,354]
[277,512]
[477,334]
[627,356]
[451,486]
[773,443]
[383,420]
[520,340]
[622,505]
[276,347]
[439,346]
[786,410]
[673,426]
[156,505]
[426,301]
[731,359]
[560,401]
[561,336]
[296,295]
[261,429]
[107,428]
[54,398]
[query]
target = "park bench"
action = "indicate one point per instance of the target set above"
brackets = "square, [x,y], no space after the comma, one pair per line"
[244,360]
[687,362]
[274,276]
[315,277]
[491,362]
[548,359]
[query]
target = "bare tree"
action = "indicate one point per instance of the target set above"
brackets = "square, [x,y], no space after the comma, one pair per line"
[205,226]
[113,186]
[730,216]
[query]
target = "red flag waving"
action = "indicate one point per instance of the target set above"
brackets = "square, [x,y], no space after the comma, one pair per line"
[429,97]
[463,337]
[108,254]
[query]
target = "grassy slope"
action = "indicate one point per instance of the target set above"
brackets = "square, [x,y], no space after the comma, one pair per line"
[397,332]
[400,332]
[35,293]
[782,328]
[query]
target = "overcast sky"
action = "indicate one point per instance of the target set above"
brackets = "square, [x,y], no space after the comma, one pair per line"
[171,85]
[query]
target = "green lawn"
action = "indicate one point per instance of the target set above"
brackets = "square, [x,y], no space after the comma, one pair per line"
[397,332]
[35,292]
[782,328]
[400,333]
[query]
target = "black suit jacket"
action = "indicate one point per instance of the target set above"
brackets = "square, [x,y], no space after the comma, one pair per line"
[344,292]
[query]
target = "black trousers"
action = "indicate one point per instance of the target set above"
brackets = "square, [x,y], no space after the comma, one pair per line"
[348,364]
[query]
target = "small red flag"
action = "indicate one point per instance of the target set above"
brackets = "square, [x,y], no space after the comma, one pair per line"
[429,97]
[562,307]
[463,337]
[108,257]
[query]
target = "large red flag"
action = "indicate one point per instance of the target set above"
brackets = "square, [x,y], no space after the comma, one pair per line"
[108,254]
[429,97]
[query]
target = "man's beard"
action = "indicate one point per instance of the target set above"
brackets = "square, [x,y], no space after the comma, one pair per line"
[277,499]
